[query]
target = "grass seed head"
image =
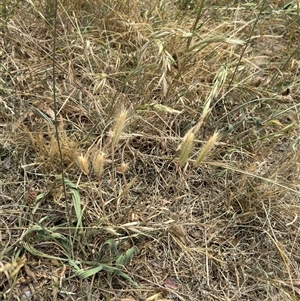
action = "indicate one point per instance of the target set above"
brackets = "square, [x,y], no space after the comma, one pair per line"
[207,148]
[119,126]
[98,163]
[83,163]
[186,148]
[123,168]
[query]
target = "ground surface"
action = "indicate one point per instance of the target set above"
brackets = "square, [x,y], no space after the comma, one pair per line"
[176,176]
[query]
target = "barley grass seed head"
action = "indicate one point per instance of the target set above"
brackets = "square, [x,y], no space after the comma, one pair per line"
[83,163]
[206,149]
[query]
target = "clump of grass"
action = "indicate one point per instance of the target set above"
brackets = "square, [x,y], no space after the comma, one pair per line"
[173,69]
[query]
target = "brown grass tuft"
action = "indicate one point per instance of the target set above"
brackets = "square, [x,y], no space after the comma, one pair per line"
[228,230]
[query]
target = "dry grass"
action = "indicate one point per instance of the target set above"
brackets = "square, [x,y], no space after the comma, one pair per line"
[154,204]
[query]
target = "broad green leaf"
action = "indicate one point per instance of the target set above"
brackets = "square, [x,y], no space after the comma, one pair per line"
[112,244]
[126,257]
[87,273]
[73,264]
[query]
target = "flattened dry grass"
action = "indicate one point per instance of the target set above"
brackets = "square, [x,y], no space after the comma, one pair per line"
[179,132]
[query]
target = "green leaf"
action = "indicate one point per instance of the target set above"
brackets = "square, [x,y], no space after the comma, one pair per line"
[112,246]
[76,201]
[73,264]
[128,278]
[126,257]
[88,273]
